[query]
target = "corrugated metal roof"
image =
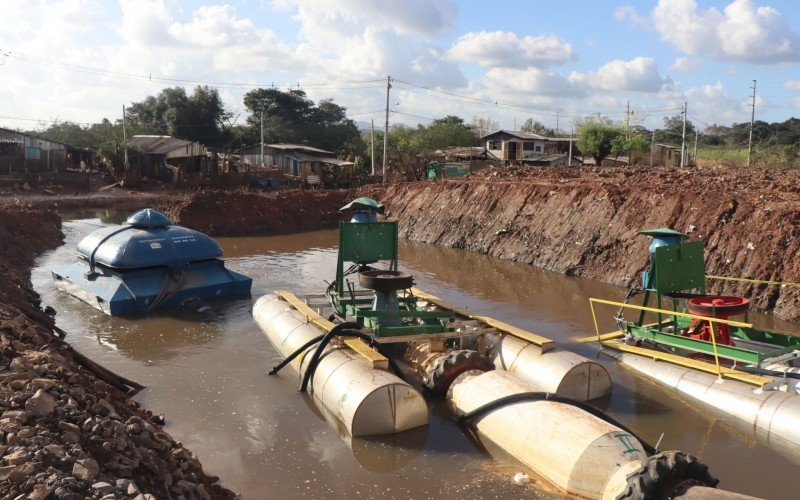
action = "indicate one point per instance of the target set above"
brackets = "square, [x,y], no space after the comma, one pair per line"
[337,162]
[322,159]
[517,134]
[164,144]
[544,157]
[298,147]
[14,137]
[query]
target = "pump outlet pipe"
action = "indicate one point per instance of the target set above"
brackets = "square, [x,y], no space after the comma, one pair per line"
[366,400]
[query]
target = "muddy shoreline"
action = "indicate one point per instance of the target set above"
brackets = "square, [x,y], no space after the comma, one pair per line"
[66,433]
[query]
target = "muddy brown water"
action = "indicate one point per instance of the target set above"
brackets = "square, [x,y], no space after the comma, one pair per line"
[266,440]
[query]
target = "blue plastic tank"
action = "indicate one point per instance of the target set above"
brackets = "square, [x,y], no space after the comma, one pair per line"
[148,263]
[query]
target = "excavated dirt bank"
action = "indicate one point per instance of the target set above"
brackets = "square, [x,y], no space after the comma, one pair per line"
[64,432]
[253,214]
[583,222]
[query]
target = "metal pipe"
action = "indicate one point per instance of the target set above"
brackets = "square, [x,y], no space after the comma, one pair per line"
[562,372]
[367,401]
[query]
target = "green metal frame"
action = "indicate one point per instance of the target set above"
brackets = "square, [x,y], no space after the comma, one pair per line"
[681,268]
[742,354]
[368,243]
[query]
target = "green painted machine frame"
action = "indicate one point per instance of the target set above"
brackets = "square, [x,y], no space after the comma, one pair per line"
[677,272]
[367,243]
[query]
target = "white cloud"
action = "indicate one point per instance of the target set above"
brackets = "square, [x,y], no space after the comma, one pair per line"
[685,64]
[627,13]
[419,17]
[792,85]
[533,83]
[742,31]
[508,50]
[637,75]
[713,104]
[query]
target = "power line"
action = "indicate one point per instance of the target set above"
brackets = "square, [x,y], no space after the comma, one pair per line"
[167,79]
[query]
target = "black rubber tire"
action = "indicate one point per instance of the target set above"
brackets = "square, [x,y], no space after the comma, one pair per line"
[663,474]
[441,372]
[384,280]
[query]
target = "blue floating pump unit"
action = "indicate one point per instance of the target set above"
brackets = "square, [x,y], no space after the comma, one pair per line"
[148,263]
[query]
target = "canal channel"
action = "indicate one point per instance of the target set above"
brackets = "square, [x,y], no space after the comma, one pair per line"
[267,440]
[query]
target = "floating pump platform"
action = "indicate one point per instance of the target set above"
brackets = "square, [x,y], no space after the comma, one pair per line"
[699,346]
[514,387]
[148,263]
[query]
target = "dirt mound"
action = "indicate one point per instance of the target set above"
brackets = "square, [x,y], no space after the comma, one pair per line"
[65,432]
[233,214]
[584,222]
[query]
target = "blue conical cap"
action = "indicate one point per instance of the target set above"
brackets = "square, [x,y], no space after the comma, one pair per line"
[148,218]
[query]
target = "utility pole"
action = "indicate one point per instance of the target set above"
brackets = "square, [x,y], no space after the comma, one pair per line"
[752,121]
[683,136]
[557,125]
[571,133]
[652,145]
[125,140]
[627,119]
[372,145]
[515,123]
[386,127]
[694,156]
[262,138]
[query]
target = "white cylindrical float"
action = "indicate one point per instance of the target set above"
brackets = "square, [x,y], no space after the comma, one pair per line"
[576,451]
[367,401]
[562,372]
[775,412]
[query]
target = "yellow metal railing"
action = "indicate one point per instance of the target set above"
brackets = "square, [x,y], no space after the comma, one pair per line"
[712,322]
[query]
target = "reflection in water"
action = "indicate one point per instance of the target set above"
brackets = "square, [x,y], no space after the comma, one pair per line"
[260,435]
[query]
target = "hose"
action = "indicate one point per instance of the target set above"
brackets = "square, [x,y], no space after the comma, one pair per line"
[558,398]
[103,240]
[296,353]
[354,268]
[763,371]
[345,330]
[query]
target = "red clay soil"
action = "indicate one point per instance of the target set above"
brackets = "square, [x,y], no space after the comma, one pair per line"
[65,432]
[583,222]
[238,214]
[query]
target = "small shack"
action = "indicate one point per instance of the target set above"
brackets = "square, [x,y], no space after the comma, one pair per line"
[22,153]
[306,165]
[666,155]
[171,159]
[27,158]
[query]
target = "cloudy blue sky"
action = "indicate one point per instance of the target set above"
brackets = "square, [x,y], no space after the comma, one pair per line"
[81,60]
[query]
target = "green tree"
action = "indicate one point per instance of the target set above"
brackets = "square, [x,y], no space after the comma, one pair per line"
[536,127]
[290,116]
[598,140]
[672,132]
[198,117]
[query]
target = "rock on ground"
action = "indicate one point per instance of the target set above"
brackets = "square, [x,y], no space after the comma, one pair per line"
[64,433]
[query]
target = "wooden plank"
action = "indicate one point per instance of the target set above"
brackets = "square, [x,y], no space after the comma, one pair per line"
[373,357]
[694,364]
[545,343]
